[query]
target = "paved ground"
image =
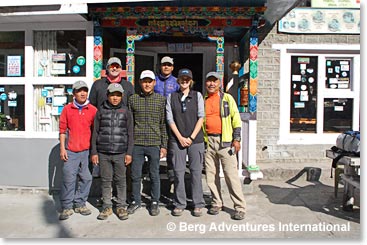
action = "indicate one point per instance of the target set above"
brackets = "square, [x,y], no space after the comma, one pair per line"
[276,209]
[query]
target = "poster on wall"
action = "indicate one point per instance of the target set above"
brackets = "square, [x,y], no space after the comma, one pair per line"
[318,20]
[14,66]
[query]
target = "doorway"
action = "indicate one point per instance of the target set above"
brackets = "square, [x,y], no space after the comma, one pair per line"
[194,62]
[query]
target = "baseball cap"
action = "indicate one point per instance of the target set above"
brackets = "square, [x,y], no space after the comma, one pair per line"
[185,72]
[79,84]
[213,74]
[147,73]
[115,87]
[167,59]
[113,60]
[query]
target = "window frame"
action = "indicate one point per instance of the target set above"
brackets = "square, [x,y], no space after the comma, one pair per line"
[29,79]
[323,52]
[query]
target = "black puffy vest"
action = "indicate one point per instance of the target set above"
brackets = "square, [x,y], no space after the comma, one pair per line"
[113,135]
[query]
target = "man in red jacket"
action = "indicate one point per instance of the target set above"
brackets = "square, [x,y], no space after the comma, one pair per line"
[76,122]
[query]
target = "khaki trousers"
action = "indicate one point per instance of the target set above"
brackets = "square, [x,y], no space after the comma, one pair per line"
[214,156]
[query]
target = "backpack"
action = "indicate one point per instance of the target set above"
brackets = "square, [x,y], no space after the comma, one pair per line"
[347,144]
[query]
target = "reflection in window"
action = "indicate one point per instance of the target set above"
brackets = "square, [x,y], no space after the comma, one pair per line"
[338,115]
[60,53]
[49,100]
[303,94]
[12,54]
[11,107]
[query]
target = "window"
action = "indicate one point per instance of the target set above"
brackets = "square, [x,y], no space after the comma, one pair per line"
[12,54]
[319,92]
[49,100]
[11,107]
[59,53]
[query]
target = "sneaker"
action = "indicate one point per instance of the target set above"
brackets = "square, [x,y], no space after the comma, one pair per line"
[65,214]
[177,212]
[239,215]
[132,208]
[104,214]
[154,209]
[197,212]
[82,210]
[214,210]
[122,213]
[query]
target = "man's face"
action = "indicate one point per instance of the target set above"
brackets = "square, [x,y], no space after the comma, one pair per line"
[147,85]
[114,70]
[81,95]
[212,85]
[166,68]
[114,98]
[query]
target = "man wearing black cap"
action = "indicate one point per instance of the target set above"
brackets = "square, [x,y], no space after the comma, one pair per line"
[112,146]
[76,121]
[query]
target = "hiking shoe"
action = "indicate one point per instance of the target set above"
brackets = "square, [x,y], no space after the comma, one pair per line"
[122,213]
[177,212]
[214,210]
[132,208]
[154,209]
[82,210]
[104,214]
[197,212]
[66,213]
[239,215]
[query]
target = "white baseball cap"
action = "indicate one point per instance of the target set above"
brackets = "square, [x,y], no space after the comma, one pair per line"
[147,73]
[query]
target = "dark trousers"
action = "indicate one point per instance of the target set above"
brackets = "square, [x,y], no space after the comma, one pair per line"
[113,169]
[153,155]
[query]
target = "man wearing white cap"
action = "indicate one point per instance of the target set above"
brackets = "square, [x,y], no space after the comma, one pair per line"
[165,81]
[150,139]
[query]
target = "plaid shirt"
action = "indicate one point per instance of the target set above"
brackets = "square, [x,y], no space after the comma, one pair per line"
[149,119]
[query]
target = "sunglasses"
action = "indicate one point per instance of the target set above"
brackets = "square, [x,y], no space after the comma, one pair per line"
[115,66]
[167,64]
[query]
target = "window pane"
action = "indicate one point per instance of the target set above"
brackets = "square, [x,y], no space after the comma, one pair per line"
[49,100]
[11,107]
[303,94]
[338,114]
[337,74]
[11,54]
[60,53]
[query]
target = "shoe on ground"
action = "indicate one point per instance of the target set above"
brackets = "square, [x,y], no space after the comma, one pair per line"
[132,208]
[104,214]
[177,211]
[197,212]
[154,209]
[66,213]
[239,215]
[122,213]
[214,210]
[83,210]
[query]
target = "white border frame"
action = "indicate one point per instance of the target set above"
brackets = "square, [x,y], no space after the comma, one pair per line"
[322,51]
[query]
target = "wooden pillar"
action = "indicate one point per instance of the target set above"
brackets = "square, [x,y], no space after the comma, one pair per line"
[131,37]
[253,79]
[218,37]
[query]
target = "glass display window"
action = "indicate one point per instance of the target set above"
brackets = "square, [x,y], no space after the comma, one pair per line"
[49,101]
[12,54]
[60,53]
[12,108]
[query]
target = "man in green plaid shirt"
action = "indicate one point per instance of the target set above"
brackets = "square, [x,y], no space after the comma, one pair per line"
[150,139]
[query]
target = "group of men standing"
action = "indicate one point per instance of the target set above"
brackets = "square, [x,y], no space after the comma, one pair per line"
[118,127]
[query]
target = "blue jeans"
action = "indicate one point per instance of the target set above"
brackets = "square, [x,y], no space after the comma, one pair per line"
[75,170]
[153,155]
